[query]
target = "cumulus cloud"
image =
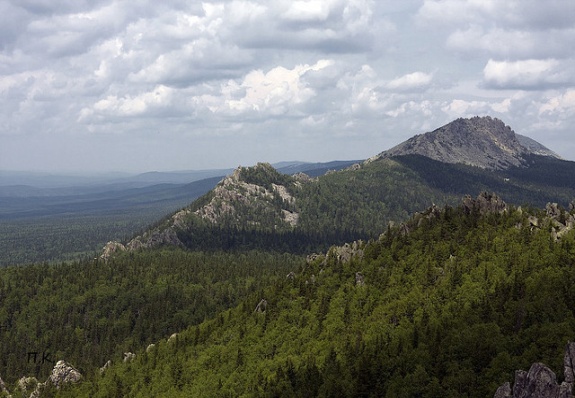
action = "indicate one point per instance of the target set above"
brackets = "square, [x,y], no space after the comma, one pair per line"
[327,71]
[515,28]
[559,105]
[277,92]
[529,74]
[411,81]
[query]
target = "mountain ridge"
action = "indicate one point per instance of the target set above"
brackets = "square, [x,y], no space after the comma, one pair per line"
[477,154]
[483,142]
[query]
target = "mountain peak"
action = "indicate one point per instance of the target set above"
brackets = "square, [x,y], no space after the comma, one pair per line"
[484,142]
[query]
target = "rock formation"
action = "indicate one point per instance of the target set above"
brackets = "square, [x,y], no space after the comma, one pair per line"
[479,141]
[110,249]
[262,306]
[3,388]
[106,366]
[541,382]
[62,374]
[485,203]
[359,279]
[129,356]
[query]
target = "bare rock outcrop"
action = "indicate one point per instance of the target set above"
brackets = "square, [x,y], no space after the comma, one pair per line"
[155,238]
[3,388]
[262,306]
[347,252]
[541,382]
[485,203]
[483,142]
[559,220]
[63,373]
[110,249]
[359,279]
[106,366]
[129,356]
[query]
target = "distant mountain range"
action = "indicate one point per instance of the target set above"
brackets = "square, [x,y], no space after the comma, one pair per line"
[360,278]
[467,156]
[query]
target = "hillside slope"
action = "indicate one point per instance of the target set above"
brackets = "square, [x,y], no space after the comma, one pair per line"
[261,208]
[448,304]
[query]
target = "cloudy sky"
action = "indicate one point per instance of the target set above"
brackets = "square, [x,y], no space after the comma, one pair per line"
[101,85]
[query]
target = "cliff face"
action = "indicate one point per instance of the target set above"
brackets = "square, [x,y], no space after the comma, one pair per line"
[258,197]
[541,382]
[480,141]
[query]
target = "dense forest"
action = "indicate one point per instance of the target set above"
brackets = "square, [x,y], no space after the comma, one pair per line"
[448,304]
[63,226]
[91,311]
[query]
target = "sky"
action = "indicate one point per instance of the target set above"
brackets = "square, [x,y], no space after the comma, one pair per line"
[147,85]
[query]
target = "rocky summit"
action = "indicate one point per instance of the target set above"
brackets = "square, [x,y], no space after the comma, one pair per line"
[484,142]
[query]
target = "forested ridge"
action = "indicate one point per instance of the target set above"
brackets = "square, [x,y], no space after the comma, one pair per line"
[334,208]
[249,210]
[90,311]
[449,304]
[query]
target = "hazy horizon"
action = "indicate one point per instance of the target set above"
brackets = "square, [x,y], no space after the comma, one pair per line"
[114,85]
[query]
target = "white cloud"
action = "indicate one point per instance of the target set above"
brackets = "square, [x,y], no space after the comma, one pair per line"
[245,68]
[411,81]
[559,105]
[526,74]
[504,29]
[129,106]
[308,11]
[275,91]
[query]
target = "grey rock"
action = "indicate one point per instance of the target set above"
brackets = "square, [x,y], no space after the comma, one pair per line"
[29,387]
[569,363]
[483,142]
[64,373]
[262,306]
[110,249]
[106,366]
[129,356]
[359,279]
[485,203]
[3,388]
[504,391]
[541,382]
[536,148]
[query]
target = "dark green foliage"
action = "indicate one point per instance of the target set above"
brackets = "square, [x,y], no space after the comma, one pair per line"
[449,309]
[543,180]
[264,175]
[90,312]
[337,208]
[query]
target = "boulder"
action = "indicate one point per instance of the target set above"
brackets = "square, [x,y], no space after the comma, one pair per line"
[541,382]
[129,356]
[485,203]
[63,374]
[359,280]
[262,306]
[106,366]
